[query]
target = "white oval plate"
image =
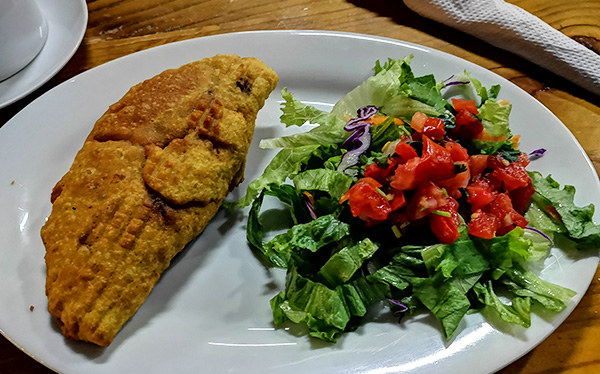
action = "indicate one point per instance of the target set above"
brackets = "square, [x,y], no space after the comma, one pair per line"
[210,311]
[67,21]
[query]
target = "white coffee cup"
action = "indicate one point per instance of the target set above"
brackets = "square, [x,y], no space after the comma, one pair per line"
[23,32]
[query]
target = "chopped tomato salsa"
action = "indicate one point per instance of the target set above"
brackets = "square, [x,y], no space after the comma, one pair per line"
[426,183]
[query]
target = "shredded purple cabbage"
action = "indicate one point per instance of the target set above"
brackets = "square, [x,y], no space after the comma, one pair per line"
[363,114]
[360,137]
[454,80]
[539,232]
[537,153]
[400,313]
[311,209]
[403,307]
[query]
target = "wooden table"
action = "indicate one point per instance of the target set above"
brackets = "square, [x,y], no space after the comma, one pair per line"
[119,27]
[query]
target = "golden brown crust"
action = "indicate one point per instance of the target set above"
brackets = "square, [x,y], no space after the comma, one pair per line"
[148,179]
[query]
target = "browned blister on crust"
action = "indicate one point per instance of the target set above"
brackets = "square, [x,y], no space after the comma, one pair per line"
[149,178]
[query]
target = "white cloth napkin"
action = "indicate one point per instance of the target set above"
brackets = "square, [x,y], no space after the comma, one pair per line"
[511,28]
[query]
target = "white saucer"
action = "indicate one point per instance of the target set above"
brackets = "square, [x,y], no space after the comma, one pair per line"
[67,22]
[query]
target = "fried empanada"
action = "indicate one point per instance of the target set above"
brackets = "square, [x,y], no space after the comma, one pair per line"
[149,178]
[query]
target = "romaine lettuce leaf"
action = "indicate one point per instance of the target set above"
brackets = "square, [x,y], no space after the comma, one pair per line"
[464,283]
[310,236]
[483,93]
[255,233]
[446,302]
[404,265]
[387,131]
[376,90]
[425,90]
[286,164]
[293,199]
[295,113]
[363,292]
[381,90]
[494,117]
[393,274]
[331,181]
[506,250]
[578,221]
[540,245]
[539,219]
[524,283]
[330,129]
[276,255]
[324,310]
[488,147]
[518,313]
[457,259]
[404,107]
[342,265]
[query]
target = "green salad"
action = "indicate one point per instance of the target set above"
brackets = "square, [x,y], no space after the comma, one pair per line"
[411,192]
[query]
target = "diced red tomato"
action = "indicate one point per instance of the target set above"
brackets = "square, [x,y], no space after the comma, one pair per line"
[457,151]
[398,201]
[483,225]
[454,184]
[507,216]
[496,161]
[434,128]
[405,175]
[463,104]
[521,197]
[416,136]
[366,202]
[435,164]
[478,164]
[378,173]
[427,197]
[481,193]
[446,228]
[437,161]
[524,159]
[467,125]
[405,152]
[371,182]
[431,127]
[510,177]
